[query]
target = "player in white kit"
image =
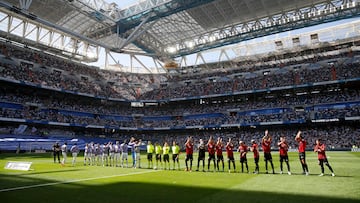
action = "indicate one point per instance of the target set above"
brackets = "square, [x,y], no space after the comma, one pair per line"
[87,154]
[117,153]
[64,153]
[74,151]
[124,154]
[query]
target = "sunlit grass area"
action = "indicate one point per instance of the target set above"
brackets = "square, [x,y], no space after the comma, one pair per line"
[49,182]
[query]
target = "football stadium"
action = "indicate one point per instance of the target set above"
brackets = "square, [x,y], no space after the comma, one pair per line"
[179,101]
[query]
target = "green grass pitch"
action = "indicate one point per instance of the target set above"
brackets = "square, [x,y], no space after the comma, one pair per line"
[49,182]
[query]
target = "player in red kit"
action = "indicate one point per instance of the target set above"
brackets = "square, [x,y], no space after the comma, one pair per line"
[230,154]
[283,149]
[243,149]
[219,156]
[320,149]
[266,146]
[189,148]
[211,150]
[255,149]
[302,147]
[201,154]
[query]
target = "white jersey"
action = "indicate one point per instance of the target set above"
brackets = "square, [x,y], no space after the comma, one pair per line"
[117,148]
[124,148]
[74,149]
[86,149]
[64,148]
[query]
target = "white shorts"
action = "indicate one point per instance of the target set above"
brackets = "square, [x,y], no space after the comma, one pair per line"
[112,154]
[64,155]
[124,155]
[87,155]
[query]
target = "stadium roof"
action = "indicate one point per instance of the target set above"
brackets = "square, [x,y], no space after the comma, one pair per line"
[167,29]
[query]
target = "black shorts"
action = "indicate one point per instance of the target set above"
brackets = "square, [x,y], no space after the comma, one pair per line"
[323,161]
[267,156]
[158,157]
[220,157]
[256,160]
[231,158]
[201,155]
[166,158]
[149,156]
[189,157]
[211,157]
[284,158]
[302,155]
[243,159]
[175,157]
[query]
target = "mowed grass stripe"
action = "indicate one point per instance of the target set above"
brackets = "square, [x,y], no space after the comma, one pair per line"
[74,181]
[180,186]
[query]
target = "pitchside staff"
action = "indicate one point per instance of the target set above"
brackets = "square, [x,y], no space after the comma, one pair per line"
[56,152]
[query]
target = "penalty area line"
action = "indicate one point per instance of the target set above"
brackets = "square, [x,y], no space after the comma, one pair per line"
[73,181]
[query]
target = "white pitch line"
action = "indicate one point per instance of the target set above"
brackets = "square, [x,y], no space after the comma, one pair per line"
[73,181]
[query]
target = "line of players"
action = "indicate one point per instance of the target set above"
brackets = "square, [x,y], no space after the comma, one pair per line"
[112,154]
[217,148]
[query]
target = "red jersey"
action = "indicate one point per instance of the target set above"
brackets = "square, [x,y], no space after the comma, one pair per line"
[219,148]
[243,150]
[266,146]
[283,148]
[302,145]
[255,149]
[189,148]
[211,148]
[320,149]
[229,150]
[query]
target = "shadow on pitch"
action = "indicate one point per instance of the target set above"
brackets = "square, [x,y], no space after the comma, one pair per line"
[151,192]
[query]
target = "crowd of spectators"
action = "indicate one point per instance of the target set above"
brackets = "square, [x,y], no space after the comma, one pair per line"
[336,136]
[32,66]
[280,78]
[28,65]
[39,68]
[269,62]
[94,112]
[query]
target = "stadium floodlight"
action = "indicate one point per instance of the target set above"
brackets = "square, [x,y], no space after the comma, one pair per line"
[190,44]
[91,55]
[171,49]
[212,38]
